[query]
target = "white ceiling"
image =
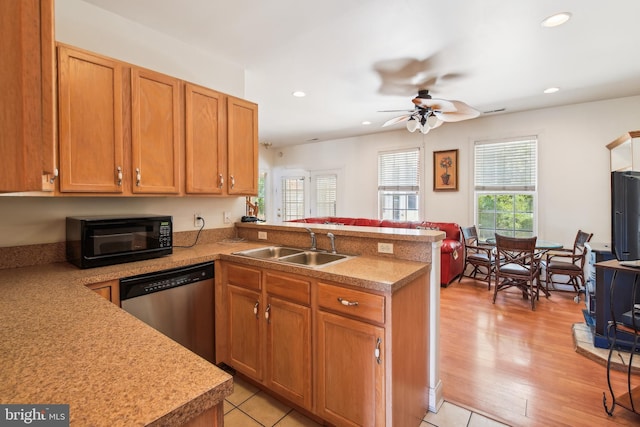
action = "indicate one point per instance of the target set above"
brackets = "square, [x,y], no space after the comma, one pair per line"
[491,54]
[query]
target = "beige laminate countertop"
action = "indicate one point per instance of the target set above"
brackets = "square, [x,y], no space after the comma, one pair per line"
[61,343]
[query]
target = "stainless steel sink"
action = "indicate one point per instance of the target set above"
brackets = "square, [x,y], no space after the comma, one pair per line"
[301,257]
[313,259]
[271,252]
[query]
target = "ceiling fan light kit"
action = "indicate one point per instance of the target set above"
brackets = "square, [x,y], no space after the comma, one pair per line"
[429,113]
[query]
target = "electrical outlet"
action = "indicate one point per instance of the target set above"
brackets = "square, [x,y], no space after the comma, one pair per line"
[226,217]
[262,235]
[197,220]
[385,248]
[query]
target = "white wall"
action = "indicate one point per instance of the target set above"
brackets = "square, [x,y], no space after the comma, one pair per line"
[31,220]
[86,26]
[573,183]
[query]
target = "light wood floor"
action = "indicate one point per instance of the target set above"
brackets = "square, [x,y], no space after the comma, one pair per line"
[520,365]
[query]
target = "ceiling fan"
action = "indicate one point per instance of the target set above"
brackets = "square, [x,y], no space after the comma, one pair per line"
[429,113]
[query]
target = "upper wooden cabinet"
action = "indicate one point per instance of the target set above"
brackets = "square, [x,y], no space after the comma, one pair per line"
[91,139]
[122,129]
[205,141]
[624,152]
[27,113]
[221,143]
[242,147]
[155,132]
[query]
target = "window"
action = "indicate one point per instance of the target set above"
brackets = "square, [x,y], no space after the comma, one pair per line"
[293,198]
[505,187]
[325,189]
[256,204]
[399,185]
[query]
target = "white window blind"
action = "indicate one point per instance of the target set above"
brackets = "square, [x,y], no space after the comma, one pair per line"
[326,194]
[293,198]
[506,166]
[399,170]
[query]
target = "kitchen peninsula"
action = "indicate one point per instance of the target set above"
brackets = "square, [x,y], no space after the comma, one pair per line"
[62,343]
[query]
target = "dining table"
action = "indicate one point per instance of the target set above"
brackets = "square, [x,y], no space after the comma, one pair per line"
[541,244]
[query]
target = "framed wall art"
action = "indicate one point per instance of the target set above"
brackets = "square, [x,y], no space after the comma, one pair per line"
[445,170]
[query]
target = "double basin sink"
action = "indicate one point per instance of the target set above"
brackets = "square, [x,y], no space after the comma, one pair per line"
[301,257]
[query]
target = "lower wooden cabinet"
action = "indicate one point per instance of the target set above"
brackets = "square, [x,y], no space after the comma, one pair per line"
[244,333]
[267,332]
[288,332]
[350,356]
[109,290]
[350,386]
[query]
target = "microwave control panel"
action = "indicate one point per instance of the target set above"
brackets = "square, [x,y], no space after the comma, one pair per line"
[165,235]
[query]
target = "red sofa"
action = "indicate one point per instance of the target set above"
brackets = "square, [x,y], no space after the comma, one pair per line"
[451,252]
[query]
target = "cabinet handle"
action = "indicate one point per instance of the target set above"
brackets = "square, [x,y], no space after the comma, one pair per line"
[220,181]
[266,313]
[233,181]
[119,175]
[255,308]
[347,302]
[377,351]
[138,177]
[55,175]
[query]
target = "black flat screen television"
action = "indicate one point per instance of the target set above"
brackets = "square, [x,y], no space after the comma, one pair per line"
[625,215]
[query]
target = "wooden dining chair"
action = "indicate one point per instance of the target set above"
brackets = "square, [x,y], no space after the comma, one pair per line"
[518,266]
[568,262]
[479,257]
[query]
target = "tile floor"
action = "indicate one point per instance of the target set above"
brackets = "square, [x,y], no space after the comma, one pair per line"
[250,407]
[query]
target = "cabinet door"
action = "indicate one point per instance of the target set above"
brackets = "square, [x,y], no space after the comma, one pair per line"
[155,132]
[350,378]
[26,84]
[245,338]
[205,141]
[289,350]
[90,122]
[242,147]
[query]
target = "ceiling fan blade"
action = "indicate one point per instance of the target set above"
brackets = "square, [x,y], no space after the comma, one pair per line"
[465,108]
[455,116]
[435,104]
[396,111]
[397,120]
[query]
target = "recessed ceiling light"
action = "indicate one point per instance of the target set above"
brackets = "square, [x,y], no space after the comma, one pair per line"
[551,90]
[366,122]
[299,94]
[555,20]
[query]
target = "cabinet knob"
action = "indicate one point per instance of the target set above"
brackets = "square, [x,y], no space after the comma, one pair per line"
[233,181]
[138,177]
[266,313]
[376,353]
[220,180]
[54,175]
[119,176]
[255,308]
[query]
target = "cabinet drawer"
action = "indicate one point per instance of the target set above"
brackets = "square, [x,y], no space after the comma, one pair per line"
[243,276]
[295,290]
[352,302]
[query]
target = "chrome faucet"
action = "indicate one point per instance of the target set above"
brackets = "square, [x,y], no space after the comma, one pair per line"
[333,242]
[313,239]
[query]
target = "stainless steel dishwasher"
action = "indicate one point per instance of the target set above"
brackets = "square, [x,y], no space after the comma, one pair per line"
[178,302]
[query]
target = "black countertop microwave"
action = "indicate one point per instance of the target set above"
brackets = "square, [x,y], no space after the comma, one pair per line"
[96,241]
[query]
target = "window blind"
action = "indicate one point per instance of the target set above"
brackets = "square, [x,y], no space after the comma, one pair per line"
[326,189]
[399,170]
[506,165]
[293,198]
